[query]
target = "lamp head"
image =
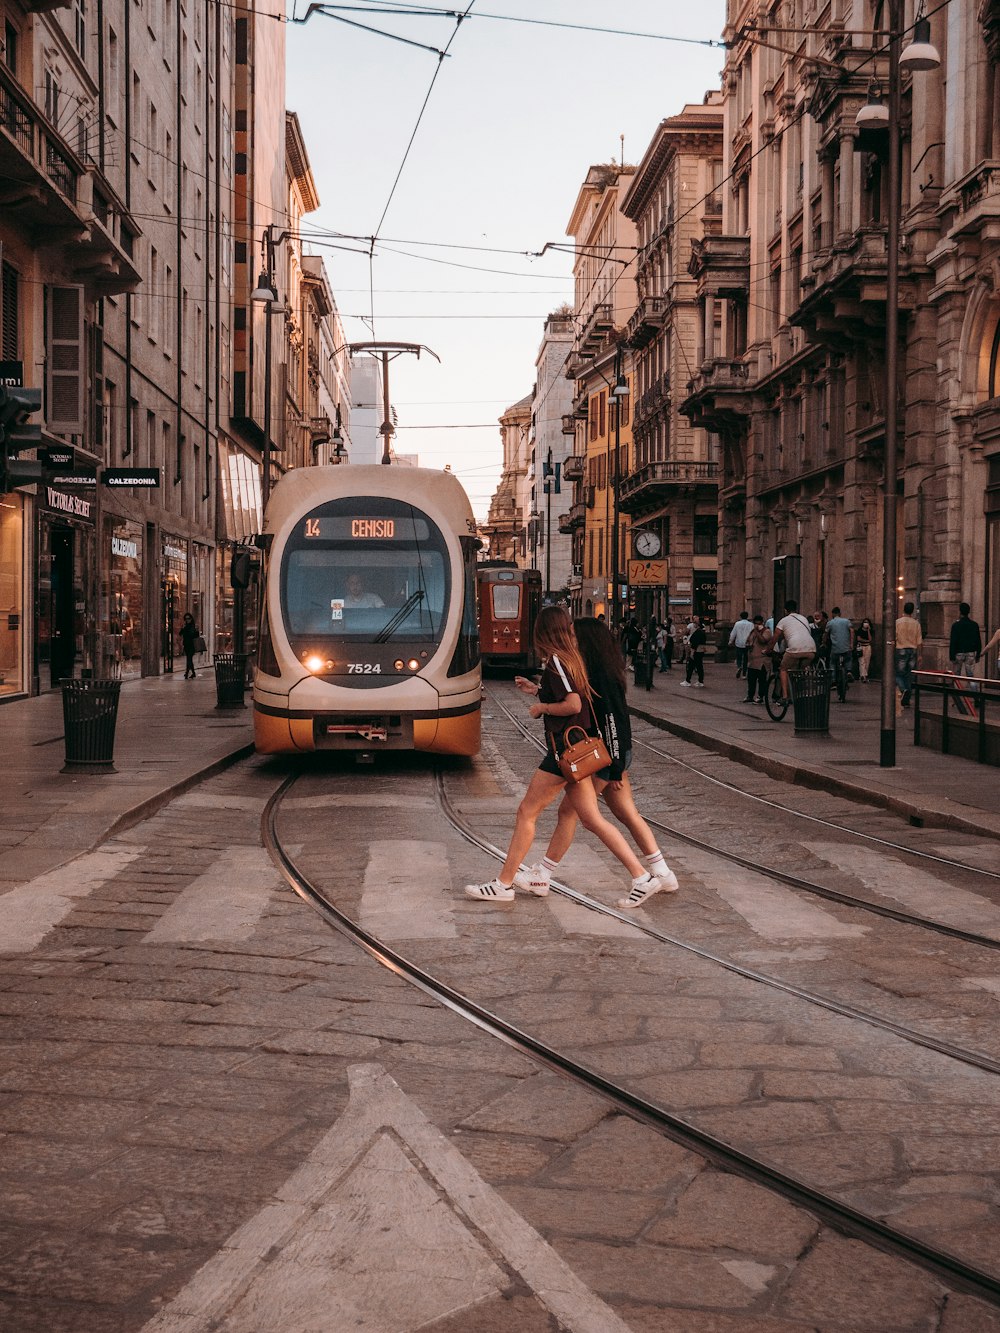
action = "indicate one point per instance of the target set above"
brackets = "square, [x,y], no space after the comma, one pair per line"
[874,115]
[264,291]
[621,387]
[921,53]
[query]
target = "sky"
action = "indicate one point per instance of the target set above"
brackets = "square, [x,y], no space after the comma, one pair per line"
[517,114]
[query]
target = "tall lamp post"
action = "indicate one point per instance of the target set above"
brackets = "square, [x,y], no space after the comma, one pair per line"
[876,117]
[619,393]
[265,294]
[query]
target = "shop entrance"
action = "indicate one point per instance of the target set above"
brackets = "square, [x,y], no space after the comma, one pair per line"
[57,644]
[168,612]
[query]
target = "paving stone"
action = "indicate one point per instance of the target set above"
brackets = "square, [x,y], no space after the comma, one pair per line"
[649,1319]
[593,1213]
[110,1270]
[503,1314]
[184,1221]
[836,1160]
[711,1030]
[931,1120]
[644,1273]
[229,1175]
[966,1152]
[964,1314]
[82,1080]
[499,1158]
[774,1056]
[235,1132]
[66,1117]
[47,1316]
[691,1088]
[882,1293]
[622,1154]
[542,1107]
[719,1211]
[644,1057]
[829,1086]
[178,1061]
[773,1122]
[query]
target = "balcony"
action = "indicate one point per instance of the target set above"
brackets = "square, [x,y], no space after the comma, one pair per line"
[569,423]
[973,201]
[721,266]
[650,316]
[572,468]
[845,292]
[576,518]
[653,485]
[39,172]
[718,395]
[599,327]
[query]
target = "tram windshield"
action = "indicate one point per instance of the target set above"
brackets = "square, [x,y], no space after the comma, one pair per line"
[506,601]
[366,570]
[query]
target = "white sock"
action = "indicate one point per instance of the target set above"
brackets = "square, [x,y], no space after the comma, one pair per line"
[657,865]
[499,881]
[643,879]
[548,865]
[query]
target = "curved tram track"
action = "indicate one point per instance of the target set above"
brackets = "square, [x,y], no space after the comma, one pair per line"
[947,1266]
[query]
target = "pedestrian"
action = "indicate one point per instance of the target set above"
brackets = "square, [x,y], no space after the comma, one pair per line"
[671,645]
[631,638]
[965,645]
[563,699]
[818,630]
[662,639]
[607,677]
[864,641]
[839,639]
[697,639]
[738,637]
[758,652]
[189,636]
[909,640]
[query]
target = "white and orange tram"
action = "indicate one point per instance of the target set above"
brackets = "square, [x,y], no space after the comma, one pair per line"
[369,636]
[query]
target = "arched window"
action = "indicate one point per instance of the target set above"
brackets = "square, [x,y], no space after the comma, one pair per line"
[993,384]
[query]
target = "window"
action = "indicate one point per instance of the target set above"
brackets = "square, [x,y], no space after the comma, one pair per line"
[80,27]
[51,97]
[9,313]
[65,360]
[114,76]
[706,534]
[10,36]
[153,297]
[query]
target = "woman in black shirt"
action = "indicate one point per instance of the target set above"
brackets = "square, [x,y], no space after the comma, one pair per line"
[606,675]
[563,700]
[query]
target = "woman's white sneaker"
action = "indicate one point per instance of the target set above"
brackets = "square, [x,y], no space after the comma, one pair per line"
[493,892]
[644,889]
[533,880]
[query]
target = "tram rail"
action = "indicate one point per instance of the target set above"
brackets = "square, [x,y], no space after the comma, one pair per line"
[945,1265]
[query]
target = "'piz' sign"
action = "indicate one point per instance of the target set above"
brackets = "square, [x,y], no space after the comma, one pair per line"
[145,477]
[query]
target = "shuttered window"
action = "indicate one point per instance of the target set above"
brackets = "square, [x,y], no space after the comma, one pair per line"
[65,361]
[9,314]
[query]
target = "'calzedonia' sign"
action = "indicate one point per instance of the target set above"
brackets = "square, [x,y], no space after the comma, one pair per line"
[131,476]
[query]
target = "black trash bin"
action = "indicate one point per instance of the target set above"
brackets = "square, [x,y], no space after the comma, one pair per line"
[90,714]
[230,679]
[811,700]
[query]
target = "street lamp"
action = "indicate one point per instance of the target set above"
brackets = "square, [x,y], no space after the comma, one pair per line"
[919,54]
[265,294]
[619,393]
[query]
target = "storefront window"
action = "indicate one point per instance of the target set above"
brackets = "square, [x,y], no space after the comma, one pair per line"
[11,594]
[174,594]
[123,614]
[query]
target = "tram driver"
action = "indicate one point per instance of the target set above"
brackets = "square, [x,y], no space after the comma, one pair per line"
[357,597]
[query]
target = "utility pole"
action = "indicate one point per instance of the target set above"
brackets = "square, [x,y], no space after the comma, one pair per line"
[388,351]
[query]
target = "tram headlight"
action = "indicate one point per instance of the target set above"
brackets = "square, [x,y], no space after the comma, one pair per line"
[413,664]
[314,663]
[399,664]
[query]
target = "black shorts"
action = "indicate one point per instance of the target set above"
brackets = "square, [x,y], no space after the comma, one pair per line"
[550,764]
[605,773]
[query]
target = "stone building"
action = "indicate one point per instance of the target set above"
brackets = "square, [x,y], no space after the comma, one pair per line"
[548,449]
[506,523]
[604,302]
[671,490]
[793,290]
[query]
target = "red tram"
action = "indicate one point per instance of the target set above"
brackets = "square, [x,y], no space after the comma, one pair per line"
[509,602]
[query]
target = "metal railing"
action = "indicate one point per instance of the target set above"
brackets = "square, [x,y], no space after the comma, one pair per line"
[965,705]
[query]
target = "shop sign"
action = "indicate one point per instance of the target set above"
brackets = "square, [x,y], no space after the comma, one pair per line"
[78,480]
[143,477]
[12,374]
[67,504]
[647,573]
[61,459]
[123,546]
[174,552]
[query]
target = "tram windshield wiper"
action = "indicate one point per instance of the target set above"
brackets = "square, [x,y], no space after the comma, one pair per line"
[391,626]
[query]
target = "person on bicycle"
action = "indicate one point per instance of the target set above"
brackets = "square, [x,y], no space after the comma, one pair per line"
[800,648]
[758,651]
[839,636]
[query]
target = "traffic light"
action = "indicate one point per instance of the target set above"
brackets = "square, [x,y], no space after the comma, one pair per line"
[17,433]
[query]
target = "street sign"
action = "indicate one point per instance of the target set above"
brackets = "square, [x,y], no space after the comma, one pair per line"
[647,573]
[144,477]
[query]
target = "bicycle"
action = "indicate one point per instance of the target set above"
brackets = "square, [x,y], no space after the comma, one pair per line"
[774,700]
[841,674]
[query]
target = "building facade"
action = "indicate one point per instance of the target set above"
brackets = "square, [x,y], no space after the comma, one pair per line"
[551,551]
[791,375]
[604,302]
[506,523]
[671,490]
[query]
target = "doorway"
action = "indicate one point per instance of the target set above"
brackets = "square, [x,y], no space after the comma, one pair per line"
[62,651]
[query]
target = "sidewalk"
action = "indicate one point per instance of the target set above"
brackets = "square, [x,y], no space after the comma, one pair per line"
[169,735]
[936,789]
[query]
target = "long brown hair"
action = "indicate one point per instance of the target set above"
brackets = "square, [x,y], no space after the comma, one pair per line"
[599,649]
[554,637]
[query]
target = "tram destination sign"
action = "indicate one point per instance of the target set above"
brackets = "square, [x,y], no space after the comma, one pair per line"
[144,477]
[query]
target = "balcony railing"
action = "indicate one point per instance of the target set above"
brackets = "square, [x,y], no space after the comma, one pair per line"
[655,397]
[572,469]
[650,316]
[666,474]
[31,137]
[597,328]
[575,518]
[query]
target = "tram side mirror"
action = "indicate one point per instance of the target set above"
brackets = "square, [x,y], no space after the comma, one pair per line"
[240,569]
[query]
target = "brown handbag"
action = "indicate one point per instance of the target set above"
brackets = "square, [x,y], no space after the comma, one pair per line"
[584,757]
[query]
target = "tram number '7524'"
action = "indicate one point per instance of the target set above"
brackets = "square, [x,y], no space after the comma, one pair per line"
[364,668]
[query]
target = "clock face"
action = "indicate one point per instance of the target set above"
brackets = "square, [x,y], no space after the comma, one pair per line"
[647,543]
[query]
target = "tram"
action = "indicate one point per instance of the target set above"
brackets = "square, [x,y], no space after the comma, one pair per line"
[509,602]
[368,638]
